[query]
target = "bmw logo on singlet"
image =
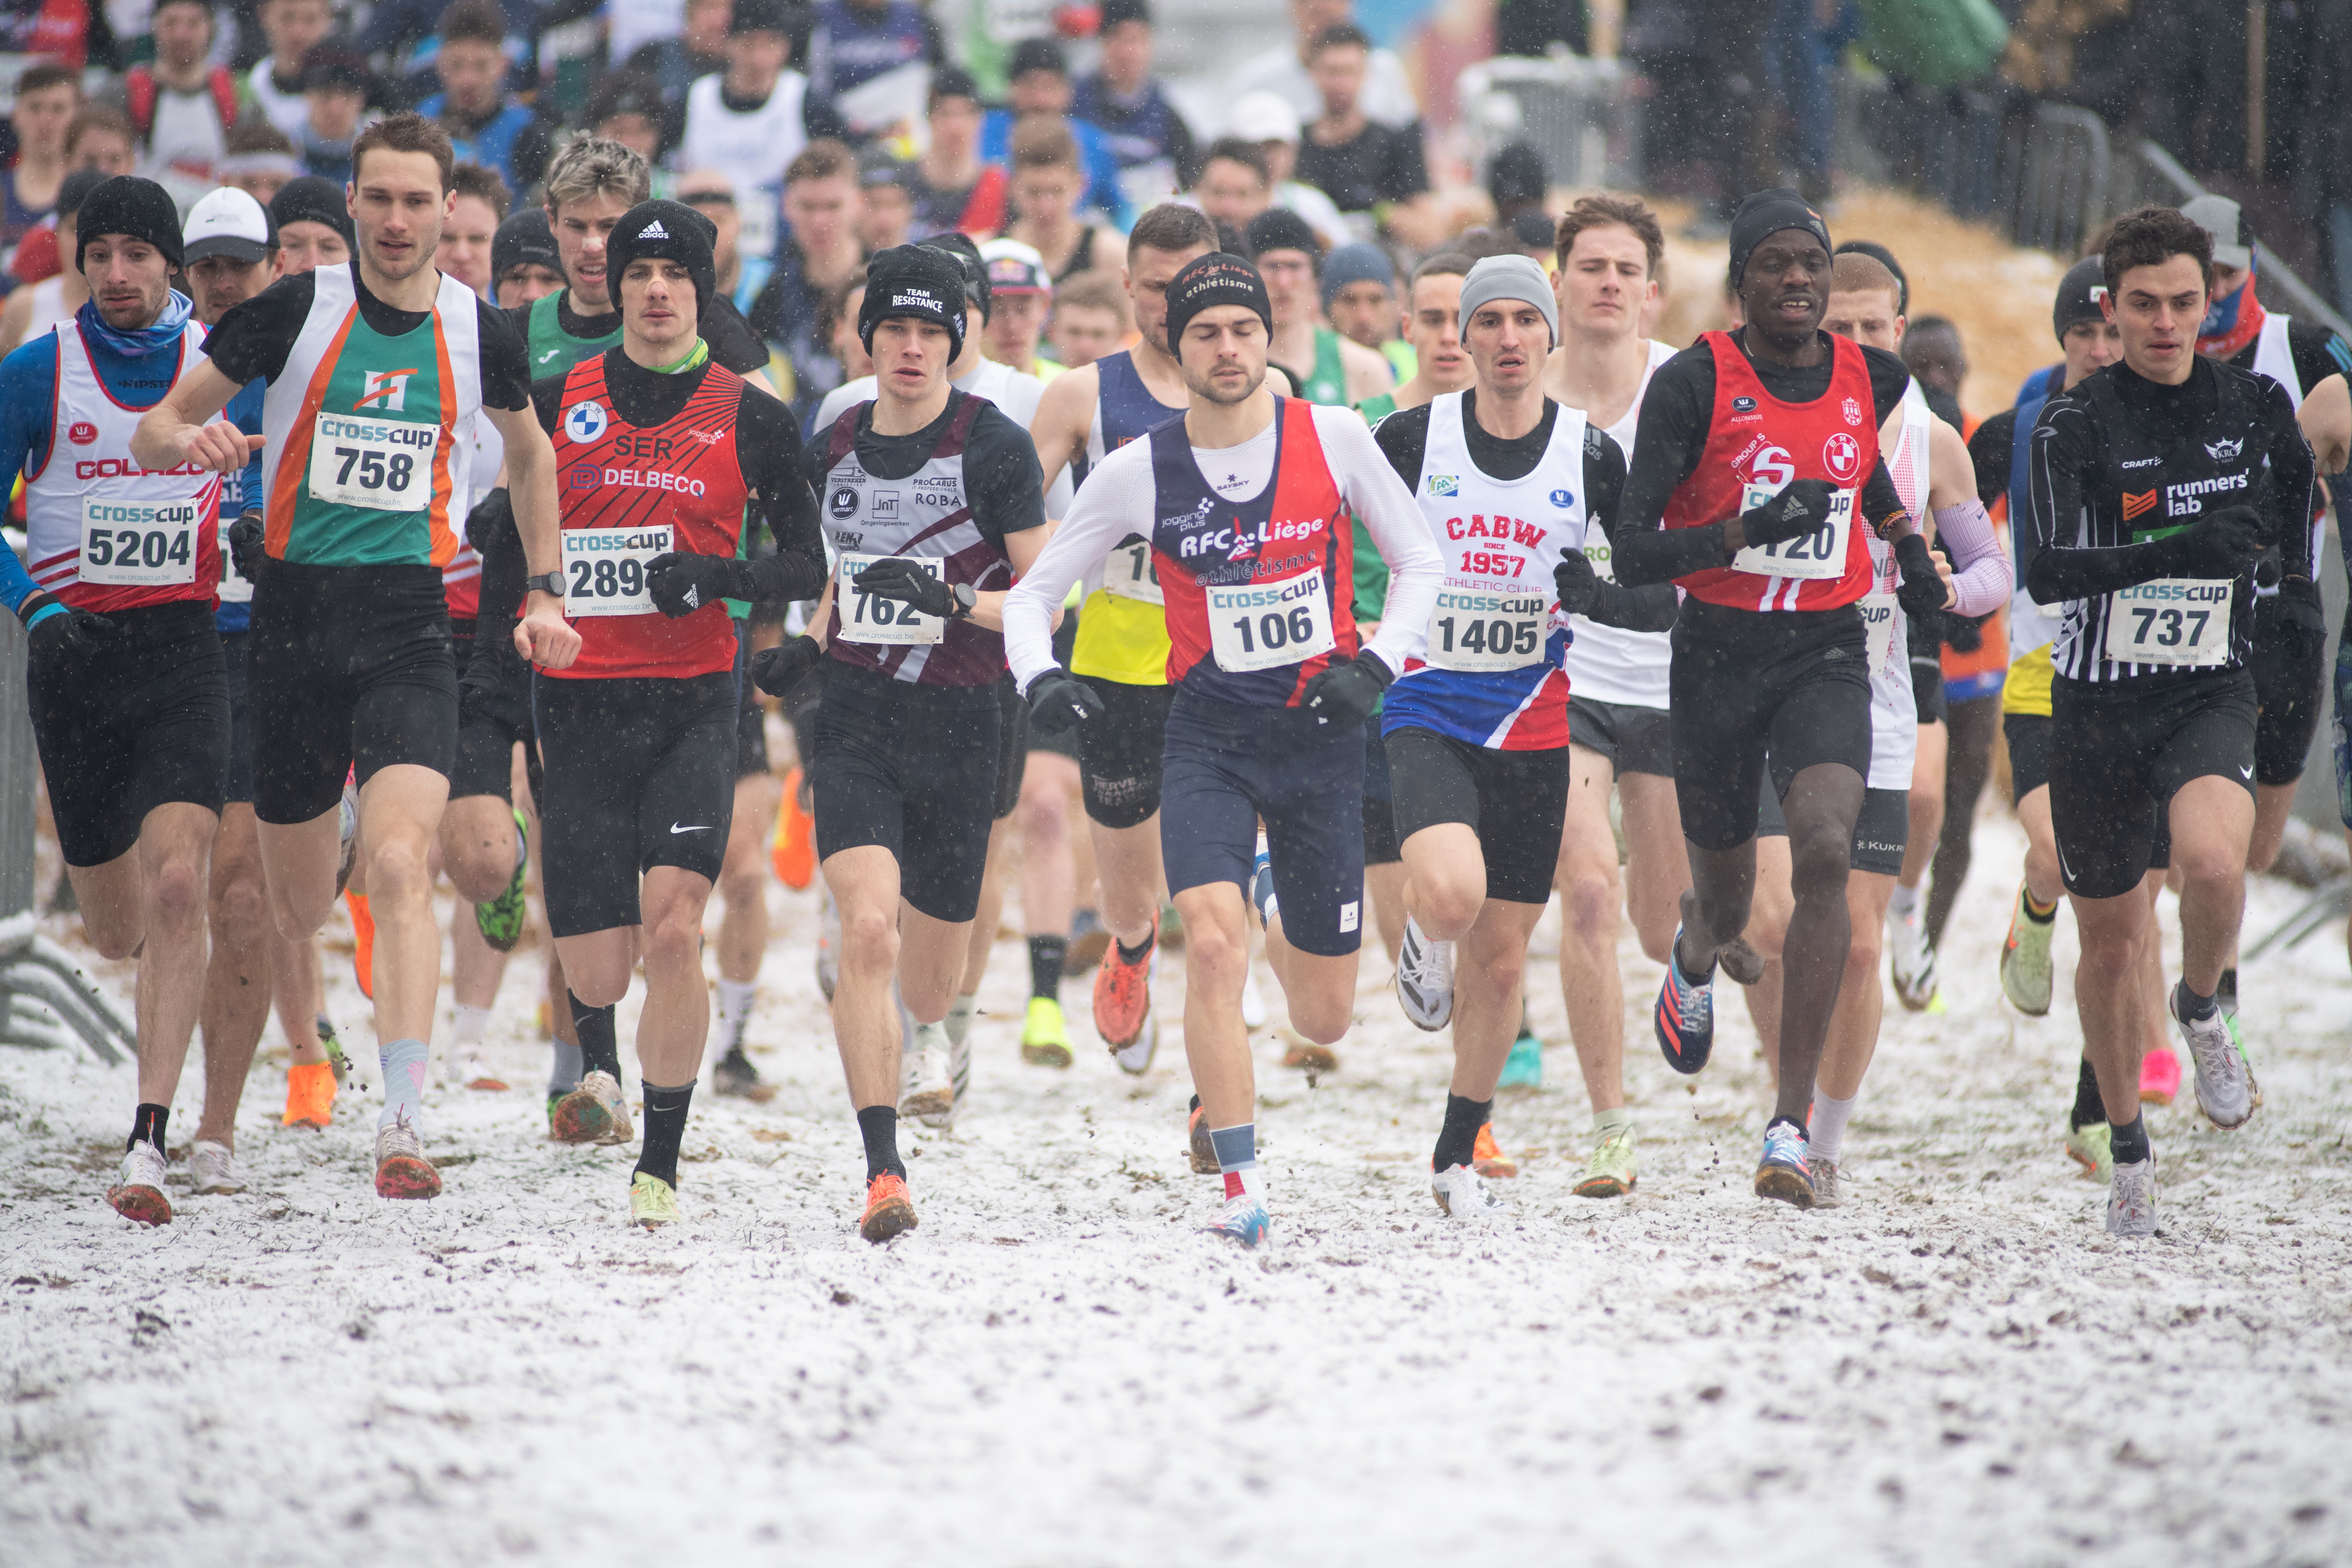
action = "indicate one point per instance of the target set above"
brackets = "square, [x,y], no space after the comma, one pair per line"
[584,422]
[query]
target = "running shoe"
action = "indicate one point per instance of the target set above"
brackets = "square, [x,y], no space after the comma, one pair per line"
[347,831]
[212,1168]
[927,1089]
[653,1203]
[2131,1199]
[1302,1054]
[1782,1174]
[1424,978]
[888,1209]
[1685,1016]
[734,1075]
[1045,1037]
[2225,995]
[2223,1091]
[362,943]
[1463,1194]
[828,943]
[1123,991]
[500,920]
[1487,1157]
[1829,1182]
[138,1191]
[1089,940]
[2025,960]
[2093,1148]
[1244,1219]
[470,1068]
[792,850]
[2160,1076]
[1135,1057]
[1912,962]
[593,1113]
[1523,1069]
[310,1095]
[1610,1172]
[1254,1013]
[402,1171]
[332,1044]
[1199,1148]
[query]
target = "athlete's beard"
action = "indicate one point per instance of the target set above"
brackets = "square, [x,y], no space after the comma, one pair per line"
[149,312]
[422,258]
[1204,385]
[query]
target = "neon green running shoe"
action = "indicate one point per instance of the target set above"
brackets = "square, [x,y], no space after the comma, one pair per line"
[2025,960]
[653,1203]
[500,920]
[333,1047]
[2093,1148]
[1610,1172]
[1044,1037]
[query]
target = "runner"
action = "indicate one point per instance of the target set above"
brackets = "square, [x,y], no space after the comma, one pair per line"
[933,500]
[374,369]
[1477,729]
[1273,683]
[125,674]
[639,733]
[1756,473]
[2155,486]
[1324,366]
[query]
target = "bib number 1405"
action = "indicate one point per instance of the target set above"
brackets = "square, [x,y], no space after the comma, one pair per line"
[1264,625]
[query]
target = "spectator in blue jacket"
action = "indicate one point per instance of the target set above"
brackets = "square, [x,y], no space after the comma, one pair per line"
[484,125]
[1126,102]
[1040,85]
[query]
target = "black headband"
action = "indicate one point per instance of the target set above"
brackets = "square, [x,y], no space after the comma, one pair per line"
[1216,278]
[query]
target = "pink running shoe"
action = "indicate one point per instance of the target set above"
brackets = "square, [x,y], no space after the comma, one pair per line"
[2160,1076]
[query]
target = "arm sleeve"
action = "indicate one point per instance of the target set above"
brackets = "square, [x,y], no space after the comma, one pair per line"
[2066,443]
[1990,452]
[28,381]
[1667,446]
[506,364]
[1403,440]
[252,341]
[769,444]
[504,568]
[243,411]
[1980,573]
[2287,504]
[1114,502]
[1376,495]
[1648,608]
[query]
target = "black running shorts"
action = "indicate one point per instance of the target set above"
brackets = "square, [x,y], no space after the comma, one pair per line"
[1381,844]
[1880,831]
[2120,752]
[912,768]
[237,661]
[350,664]
[2028,735]
[640,772]
[1118,752]
[138,721]
[1012,749]
[1792,684]
[2290,670]
[485,764]
[1514,801]
[1636,740]
[752,720]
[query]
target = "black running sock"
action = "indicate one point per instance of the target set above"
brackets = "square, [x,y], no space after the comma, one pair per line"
[1457,1140]
[600,1040]
[1138,954]
[148,1124]
[2130,1142]
[1046,956]
[878,1125]
[2039,917]
[2089,1108]
[2226,994]
[2193,1007]
[665,1130]
[1195,1106]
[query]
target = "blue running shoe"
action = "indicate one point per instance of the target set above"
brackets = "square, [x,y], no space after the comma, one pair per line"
[1782,1172]
[1685,1019]
[1245,1220]
[1523,1069]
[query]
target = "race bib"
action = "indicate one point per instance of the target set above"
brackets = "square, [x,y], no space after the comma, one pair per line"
[140,544]
[2174,620]
[1486,629]
[1131,572]
[605,570]
[1878,621]
[1818,554]
[384,465]
[1264,625]
[865,617]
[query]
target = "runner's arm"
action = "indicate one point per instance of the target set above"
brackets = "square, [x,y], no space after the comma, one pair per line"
[2067,444]
[542,636]
[1648,608]
[28,380]
[178,429]
[1374,493]
[1064,415]
[2326,420]
[1988,454]
[1667,442]
[1964,533]
[1115,502]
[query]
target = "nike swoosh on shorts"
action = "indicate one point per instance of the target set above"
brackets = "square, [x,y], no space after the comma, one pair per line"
[674,828]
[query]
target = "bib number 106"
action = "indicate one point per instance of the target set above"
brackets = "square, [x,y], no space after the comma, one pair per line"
[1272,631]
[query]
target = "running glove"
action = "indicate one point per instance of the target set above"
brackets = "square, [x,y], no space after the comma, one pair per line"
[680,585]
[2226,544]
[1923,593]
[776,671]
[1347,692]
[1802,506]
[903,580]
[479,686]
[245,547]
[1059,699]
[1580,587]
[70,634]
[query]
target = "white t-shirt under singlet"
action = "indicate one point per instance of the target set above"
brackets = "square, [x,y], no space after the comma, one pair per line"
[1610,664]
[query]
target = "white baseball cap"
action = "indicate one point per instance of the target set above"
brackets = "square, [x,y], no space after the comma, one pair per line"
[1262,116]
[2225,220]
[230,223]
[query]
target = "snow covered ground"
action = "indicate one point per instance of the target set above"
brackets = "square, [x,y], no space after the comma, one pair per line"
[1055,1368]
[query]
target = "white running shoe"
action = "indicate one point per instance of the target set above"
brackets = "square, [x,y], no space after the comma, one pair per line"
[828,941]
[1910,961]
[212,1168]
[2131,1199]
[470,1068]
[605,1090]
[1829,1182]
[138,1191]
[1254,1013]
[2223,1092]
[1463,1194]
[1424,978]
[927,1091]
[1134,1057]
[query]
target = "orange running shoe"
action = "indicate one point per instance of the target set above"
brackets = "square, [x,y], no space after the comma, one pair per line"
[1487,1157]
[362,943]
[311,1094]
[1123,993]
[1303,1055]
[2160,1076]
[792,851]
[888,1209]
[1201,1151]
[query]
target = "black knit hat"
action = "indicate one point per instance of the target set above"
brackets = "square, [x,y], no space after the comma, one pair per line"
[2079,293]
[525,239]
[1216,278]
[1279,229]
[312,199]
[76,190]
[666,231]
[128,205]
[919,281]
[976,288]
[1885,258]
[1764,214]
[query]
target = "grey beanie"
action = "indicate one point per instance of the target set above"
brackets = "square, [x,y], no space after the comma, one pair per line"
[1509,278]
[1355,262]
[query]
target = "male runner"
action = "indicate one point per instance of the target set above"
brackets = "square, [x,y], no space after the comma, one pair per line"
[2155,486]
[1477,729]
[374,368]
[663,451]
[1325,367]
[1756,471]
[932,501]
[1242,499]
[129,696]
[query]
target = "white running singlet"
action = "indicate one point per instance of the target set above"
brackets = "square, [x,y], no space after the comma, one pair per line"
[1894,710]
[1610,664]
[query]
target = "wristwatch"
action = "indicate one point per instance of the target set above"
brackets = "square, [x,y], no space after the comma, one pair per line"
[545,583]
[965,598]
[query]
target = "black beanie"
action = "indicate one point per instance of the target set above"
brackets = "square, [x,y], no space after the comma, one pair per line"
[128,205]
[2079,296]
[1216,278]
[1279,229]
[1885,258]
[668,231]
[976,290]
[524,239]
[312,199]
[1765,214]
[920,282]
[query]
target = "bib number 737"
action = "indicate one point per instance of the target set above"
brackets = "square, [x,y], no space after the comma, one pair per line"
[1819,554]
[2174,620]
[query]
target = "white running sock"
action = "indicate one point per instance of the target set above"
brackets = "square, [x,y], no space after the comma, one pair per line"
[471,1027]
[958,1018]
[1825,1131]
[734,1004]
[403,1082]
[1903,902]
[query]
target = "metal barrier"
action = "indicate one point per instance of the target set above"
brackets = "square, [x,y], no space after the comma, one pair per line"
[1580,114]
[2060,188]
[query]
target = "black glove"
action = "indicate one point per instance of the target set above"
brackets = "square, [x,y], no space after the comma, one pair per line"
[2294,616]
[1059,699]
[480,685]
[1964,634]
[70,634]
[2224,543]
[245,547]
[1923,593]
[776,671]
[1347,692]
[1802,506]
[901,579]
[1580,587]
[680,585]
